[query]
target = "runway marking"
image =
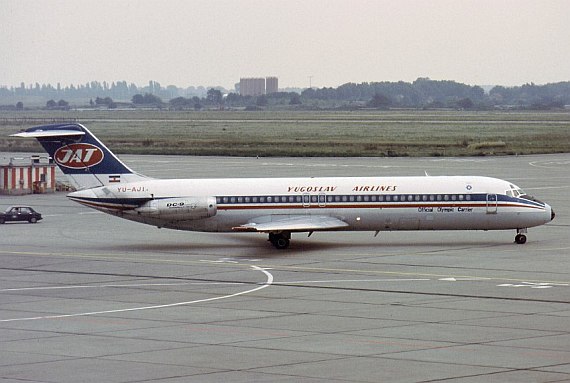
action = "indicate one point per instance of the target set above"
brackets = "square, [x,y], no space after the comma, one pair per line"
[534,285]
[410,274]
[547,164]
[331,165]
[223,260]
[118,286]
[123,258]
[350,281]
[460,160]
[549,187]
[267,283]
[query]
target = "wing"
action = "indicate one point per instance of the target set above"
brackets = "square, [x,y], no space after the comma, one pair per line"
[302,223]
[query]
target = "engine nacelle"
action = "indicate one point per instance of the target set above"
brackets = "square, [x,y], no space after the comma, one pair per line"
[184,208]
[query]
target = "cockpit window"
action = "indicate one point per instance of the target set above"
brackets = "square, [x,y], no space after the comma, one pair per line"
[515,191]
[531,198]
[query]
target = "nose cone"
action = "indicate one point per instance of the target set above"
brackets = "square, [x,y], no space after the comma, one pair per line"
[549,213]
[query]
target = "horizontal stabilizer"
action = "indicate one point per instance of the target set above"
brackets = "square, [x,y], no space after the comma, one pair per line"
[48,133]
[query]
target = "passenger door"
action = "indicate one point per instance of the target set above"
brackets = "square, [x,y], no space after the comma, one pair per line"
[491,204]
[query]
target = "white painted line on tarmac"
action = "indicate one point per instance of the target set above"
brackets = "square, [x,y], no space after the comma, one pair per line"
[267,283]
[534,285]
[549,187]
[549,164]
[350,281]
[119,286]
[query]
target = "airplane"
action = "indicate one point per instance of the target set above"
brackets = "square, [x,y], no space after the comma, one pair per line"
[279,207]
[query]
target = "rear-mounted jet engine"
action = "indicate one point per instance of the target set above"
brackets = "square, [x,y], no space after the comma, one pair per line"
[187,208]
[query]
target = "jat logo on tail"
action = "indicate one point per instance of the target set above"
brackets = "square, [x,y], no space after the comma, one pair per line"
[78,156]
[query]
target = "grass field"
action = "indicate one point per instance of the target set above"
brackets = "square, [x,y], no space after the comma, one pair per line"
[327,133]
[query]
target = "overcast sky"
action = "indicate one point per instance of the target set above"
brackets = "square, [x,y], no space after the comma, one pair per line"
[215,42]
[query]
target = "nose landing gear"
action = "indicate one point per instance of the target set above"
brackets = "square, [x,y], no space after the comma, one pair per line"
[520,238]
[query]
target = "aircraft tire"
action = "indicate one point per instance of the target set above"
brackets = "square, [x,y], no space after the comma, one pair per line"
[520,239]
[281,243]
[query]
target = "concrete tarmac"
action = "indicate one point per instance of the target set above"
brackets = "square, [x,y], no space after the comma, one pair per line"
[87,297]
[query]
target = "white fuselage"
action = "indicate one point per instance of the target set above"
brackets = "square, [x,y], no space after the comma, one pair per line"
[371,203]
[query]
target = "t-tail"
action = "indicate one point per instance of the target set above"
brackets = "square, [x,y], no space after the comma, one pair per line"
[81,156]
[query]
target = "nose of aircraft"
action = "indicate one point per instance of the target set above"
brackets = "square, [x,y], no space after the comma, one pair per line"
[552,213]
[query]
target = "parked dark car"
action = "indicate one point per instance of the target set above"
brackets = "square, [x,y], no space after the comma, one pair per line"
[20,213]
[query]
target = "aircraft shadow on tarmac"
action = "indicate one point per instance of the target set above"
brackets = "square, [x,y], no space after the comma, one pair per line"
[248,246]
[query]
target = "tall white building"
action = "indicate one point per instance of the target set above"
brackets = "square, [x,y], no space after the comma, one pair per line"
[252,86]
[271,85]
[256,86]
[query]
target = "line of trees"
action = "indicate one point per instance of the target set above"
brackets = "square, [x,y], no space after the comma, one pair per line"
[422,93]
[119,90]
[426,93]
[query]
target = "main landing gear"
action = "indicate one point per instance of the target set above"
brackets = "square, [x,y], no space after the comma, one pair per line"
[520,238]
[280,240]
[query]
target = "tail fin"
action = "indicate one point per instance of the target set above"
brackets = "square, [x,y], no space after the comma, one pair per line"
[81,156]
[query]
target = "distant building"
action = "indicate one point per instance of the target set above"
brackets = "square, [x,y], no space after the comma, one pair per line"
[252,86]
[271,85]
[257,86]
[20,177]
